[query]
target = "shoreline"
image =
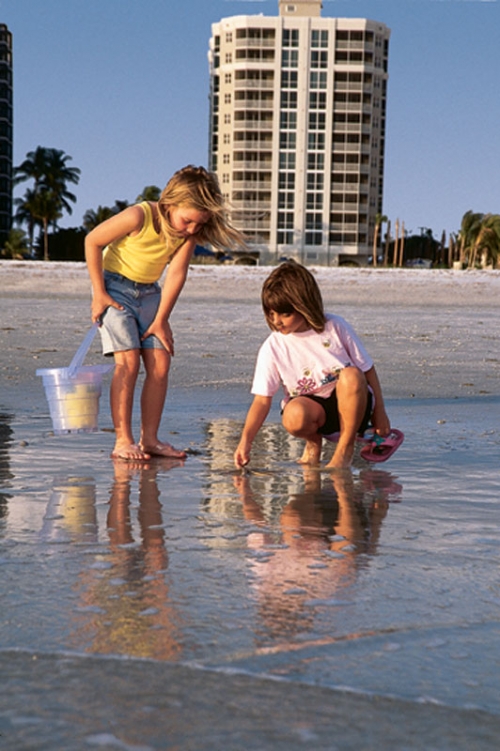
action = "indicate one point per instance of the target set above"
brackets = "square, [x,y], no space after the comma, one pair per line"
[432,333]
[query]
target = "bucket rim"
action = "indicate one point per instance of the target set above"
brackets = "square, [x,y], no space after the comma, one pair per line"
[104,368]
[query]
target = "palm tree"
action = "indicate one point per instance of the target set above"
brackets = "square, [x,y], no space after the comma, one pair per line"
[24,214]
[150,193]
[487,241]
[50,174]
[379,220]
[16,244]
[92,217]
[46,209]
[469,229]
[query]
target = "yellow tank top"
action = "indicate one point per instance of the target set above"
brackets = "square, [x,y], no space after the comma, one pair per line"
[141,258]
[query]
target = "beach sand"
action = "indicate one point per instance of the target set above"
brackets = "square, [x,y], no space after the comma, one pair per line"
[184,605]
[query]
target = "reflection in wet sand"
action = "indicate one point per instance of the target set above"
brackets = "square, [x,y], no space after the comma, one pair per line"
[326,531]
[124,594]
[5,473]
[312,532]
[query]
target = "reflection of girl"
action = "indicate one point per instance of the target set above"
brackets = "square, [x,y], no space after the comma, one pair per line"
[329,379]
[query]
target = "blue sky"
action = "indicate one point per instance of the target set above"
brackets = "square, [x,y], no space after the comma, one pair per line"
[122,87]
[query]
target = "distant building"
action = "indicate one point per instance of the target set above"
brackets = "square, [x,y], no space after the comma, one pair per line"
[297,130]
[6,119]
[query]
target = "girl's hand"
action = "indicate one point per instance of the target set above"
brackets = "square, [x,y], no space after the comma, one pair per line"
[381,422]
[242,454]
[100,303]
[163,332]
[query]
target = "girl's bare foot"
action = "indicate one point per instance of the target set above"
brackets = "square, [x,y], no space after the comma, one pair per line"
[312,453]
[342,458]
[130,452]
[163,449]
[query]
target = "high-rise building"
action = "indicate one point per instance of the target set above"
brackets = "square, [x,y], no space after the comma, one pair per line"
[5,132]
[297,130]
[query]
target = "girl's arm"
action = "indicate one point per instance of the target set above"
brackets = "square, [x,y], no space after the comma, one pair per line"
[259,410]
[380,419]
[174,282]
[127,222]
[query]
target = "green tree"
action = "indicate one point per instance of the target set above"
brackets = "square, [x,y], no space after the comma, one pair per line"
[93,217]
[150,193]
[51,174]
[45,208]
[16,245]
[486,247]
[469,229]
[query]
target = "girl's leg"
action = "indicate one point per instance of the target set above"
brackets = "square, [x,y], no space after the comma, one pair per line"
[352,396]
[154,392]
[302,418]
[122,400]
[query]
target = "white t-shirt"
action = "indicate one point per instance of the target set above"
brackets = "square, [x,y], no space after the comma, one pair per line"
[307,362]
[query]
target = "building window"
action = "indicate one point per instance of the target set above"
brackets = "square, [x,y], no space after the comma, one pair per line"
[316,160]
[289,100]
[227,78]
[288,120]
[316,141]
[314,238]
[227,98]
[318,79]
[314,201]
[226,159]
[286,200]
[285,220]
[317,121]
[289,79]
[319,59]
[317,100]
[288,140]
[284,238]
[319,38]
[227,138]
[227,119]
[287,160]
[290,38]
[229,57]
[286,180]
[290,59]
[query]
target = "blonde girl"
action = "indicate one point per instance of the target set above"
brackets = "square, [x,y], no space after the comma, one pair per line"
[126,256]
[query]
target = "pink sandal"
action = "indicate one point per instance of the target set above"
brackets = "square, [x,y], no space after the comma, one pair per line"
[381,447]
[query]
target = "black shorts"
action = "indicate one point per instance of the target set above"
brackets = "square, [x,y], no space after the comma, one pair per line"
[330,406]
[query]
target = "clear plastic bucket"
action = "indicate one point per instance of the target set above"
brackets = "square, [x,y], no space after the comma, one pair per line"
[73,397]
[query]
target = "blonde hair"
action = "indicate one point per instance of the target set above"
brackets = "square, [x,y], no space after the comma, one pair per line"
[292,288]
[196,188]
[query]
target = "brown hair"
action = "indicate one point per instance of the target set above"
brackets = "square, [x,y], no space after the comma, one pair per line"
[196,188]
[291,287]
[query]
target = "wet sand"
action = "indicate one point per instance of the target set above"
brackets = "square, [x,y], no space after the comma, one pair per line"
[183,605]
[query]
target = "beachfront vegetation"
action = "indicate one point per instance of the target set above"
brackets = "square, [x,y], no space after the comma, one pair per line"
[479,239]
[16,245]
[45,202]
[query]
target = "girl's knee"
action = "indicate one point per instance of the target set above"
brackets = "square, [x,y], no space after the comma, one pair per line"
[352,379]
[302,416]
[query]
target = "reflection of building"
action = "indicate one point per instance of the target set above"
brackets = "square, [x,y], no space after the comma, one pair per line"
[5,132]
[297,129]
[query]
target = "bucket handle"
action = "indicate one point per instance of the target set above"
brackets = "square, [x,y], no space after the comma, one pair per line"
[82,350]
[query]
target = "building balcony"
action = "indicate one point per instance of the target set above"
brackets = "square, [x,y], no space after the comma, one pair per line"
[247,104]
[253,125]
[251,185]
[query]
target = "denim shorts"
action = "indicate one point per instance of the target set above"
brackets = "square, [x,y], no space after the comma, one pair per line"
[122,329]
